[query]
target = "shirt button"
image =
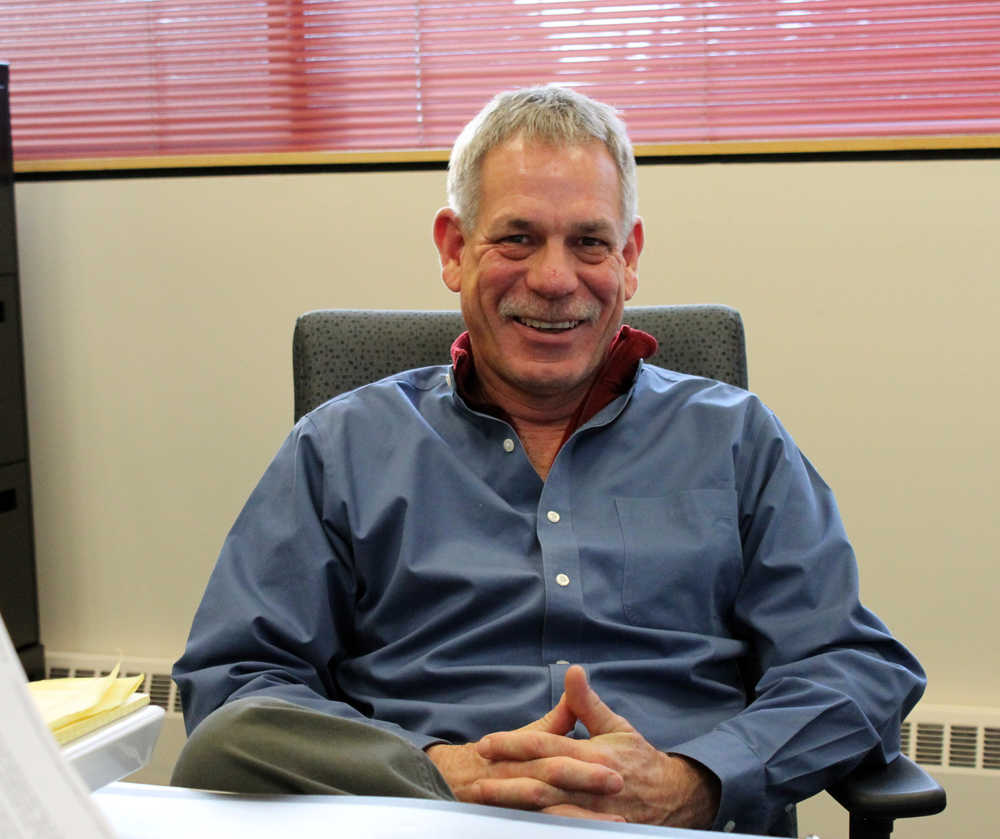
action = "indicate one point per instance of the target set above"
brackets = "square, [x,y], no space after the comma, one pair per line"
[562,579]
[730,826]
[552,516]
[508,445]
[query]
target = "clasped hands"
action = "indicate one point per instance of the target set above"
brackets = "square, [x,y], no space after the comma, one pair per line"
[615,775]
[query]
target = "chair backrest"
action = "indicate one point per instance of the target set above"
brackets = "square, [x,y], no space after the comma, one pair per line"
[336,350]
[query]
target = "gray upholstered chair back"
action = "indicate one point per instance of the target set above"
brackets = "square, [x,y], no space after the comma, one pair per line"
[335,350]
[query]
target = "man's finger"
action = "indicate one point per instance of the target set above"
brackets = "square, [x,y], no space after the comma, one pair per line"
[561,773]
[525,744]
[519,793]
[527,794]
[584,703]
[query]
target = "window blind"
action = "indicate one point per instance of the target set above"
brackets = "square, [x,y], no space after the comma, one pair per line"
[156,78]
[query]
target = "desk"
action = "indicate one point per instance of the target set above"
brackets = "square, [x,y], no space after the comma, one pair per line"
[140,811]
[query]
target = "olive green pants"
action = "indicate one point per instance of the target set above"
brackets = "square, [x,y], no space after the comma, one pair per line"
[267,745]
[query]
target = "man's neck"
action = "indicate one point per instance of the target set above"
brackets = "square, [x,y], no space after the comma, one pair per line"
[542,421]
[541,445]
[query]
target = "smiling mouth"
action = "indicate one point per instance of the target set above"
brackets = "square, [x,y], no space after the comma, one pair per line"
[549,326]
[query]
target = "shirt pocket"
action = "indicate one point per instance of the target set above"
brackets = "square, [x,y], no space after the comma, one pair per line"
[683,561]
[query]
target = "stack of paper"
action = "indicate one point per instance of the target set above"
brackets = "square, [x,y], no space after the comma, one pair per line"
[74,707]
[41,797]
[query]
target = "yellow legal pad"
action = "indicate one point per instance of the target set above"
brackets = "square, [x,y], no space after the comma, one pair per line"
[74,707]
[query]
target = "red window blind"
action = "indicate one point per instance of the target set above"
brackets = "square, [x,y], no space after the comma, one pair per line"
[141,78]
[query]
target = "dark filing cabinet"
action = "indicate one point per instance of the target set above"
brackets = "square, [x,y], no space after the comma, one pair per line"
[18,589]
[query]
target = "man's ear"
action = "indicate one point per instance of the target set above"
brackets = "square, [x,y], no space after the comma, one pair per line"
[450,241]
[631,251]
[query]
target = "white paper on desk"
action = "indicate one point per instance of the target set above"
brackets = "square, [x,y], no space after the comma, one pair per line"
[41,797]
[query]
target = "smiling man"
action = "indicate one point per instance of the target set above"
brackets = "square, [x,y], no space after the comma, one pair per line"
[543,274]
[548,576]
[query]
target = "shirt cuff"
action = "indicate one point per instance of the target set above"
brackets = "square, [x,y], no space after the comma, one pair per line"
[742,806]
[418,741]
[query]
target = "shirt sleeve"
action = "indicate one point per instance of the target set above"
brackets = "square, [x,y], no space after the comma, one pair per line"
[275,618]
[829,685]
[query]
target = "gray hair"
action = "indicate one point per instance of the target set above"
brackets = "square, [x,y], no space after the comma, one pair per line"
[548,114]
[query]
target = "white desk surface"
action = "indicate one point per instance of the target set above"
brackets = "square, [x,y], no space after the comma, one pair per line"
[140,811]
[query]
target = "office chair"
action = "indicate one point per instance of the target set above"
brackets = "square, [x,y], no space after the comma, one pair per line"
[334,351]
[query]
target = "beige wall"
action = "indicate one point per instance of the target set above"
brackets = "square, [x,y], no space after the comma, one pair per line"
[158,317]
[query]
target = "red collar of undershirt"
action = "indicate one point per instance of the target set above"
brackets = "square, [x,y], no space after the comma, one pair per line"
[613,379]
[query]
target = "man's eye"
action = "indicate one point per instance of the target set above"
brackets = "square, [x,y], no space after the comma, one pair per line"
[515,246]
[592,246]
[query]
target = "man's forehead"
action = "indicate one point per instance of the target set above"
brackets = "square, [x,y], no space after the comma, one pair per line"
[518,222]
[499,191]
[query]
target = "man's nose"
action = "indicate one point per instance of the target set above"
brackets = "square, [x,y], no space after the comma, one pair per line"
[554,273]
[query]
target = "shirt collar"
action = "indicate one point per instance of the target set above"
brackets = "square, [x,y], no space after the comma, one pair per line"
[614,378]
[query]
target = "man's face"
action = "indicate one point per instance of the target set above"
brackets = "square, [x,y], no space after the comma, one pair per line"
[546,271]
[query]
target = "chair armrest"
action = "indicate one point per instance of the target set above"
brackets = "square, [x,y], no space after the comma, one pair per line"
[900,790]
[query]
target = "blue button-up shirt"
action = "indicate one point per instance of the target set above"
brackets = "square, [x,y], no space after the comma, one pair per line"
[402,563]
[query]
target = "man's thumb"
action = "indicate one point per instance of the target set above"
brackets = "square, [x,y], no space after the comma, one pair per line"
[584,703]
[560,720]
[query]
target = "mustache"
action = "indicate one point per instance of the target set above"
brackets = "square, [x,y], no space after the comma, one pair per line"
[552,311]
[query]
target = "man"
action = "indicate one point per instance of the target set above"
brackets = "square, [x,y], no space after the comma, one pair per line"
[404,604]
